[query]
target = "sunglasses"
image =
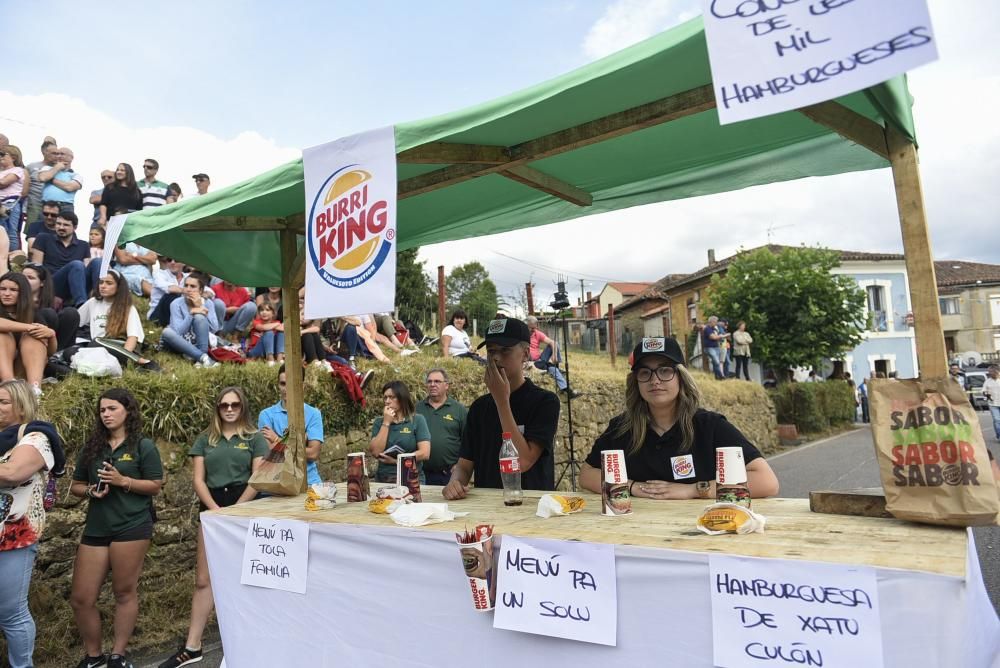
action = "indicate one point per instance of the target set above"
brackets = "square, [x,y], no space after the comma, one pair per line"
[50,215]
[107,177]
[2,154]
[229,406]
[148,167]
[201,179]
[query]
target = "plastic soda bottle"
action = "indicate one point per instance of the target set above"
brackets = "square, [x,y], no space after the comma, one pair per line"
[510,472]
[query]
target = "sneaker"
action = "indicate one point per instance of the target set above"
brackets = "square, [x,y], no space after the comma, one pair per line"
[206,362]
[118,661]
[182,657]
[365,377]
[408,351]
[37,389]
[271,362]
[93,661]
[150,366]
[572,394]
[50,380]
[430,342]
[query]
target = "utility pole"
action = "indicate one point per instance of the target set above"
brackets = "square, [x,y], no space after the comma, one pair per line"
[441,296]
[530,297]
[582,300]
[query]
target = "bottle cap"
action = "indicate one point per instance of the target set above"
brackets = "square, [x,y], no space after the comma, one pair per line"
[506,435]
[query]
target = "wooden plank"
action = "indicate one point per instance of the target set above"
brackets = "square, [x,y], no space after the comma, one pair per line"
[849,124]
[442,153]
[793,532]
[869,502]
[621,123]
[294,399]
[237,224]
[549,184]
[298,273]
[932,358]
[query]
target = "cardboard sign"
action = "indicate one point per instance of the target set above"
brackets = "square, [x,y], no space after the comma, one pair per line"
[769,56]
[557,588]
[276,554]
[350,187]
[774,612]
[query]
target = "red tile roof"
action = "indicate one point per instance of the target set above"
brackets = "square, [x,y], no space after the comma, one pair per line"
[954,273]
[629,289]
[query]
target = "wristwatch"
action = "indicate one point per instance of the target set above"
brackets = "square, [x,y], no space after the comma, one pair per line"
[703,489]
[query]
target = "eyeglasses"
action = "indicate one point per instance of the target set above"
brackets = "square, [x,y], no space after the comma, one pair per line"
[229,406]
[50,215]
[2,154]
[435,382]
[199,180]
[664,373]
[107,177]
[148,167]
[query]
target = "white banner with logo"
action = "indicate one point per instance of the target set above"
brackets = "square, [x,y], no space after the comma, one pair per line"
[351,225]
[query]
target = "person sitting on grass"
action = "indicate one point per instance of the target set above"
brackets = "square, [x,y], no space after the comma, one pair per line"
[192,320]
[114,322]
[49,309]
[267,336]
[25,345]
[234,308]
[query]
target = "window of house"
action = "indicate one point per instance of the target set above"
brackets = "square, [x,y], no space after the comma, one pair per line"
[949,305]
[692,310]
[879,315]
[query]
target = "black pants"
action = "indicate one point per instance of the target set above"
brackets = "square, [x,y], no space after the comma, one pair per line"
[312,347]
[744,361]
[64,323]
[161,314]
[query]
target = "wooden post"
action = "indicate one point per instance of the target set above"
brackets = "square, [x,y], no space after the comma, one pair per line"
[932,358]
[294,401]
[530,297]
[441,297]
[612,343]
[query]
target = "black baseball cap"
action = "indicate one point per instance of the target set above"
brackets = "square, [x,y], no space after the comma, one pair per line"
[506,332]
[199,175]
[660,346]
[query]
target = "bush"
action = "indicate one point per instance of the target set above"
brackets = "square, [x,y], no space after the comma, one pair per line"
[813,407]
[837,401]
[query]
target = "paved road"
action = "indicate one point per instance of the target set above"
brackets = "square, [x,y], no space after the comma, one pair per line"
[842,462]
[848,461]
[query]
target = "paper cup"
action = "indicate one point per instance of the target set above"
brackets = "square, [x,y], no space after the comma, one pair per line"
[477,560]
[615,499]
[407,475]
[358,485]
[731,477]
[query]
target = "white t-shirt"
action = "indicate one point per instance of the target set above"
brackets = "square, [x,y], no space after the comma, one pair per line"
[94,312]
[459,343]
[992,388]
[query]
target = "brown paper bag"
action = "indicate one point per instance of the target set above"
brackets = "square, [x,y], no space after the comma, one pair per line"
[281,473]
[931,454]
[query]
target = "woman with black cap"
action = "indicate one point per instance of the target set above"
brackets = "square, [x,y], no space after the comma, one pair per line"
[668,439]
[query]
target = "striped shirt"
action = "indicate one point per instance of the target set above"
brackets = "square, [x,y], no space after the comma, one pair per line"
[153,194]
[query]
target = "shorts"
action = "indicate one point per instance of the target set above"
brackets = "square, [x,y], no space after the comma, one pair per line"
[142,532]
[225,496]
[135,283]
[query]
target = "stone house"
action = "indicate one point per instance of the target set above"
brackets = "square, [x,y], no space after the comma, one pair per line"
[969,296]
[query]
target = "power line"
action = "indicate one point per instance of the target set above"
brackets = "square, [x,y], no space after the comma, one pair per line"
[561,271]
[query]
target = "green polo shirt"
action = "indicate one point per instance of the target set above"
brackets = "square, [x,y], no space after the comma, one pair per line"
[445,424]
[120,510]
[230,461]
[405,434]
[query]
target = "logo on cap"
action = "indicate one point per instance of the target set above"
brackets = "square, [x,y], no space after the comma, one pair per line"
[652,345]
[497,326]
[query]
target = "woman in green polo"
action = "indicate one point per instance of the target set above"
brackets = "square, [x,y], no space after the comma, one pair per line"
[224,457]
[119,472]
[400,430]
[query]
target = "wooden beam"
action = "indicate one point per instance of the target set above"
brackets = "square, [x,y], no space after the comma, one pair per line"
[931,355]
[237,224]
[849,124]
[441,153]
[297,223]
[549,184]
[298,275]
[670,108]
[294,397]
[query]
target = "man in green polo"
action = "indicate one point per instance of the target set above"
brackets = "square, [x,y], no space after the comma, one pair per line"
[446,420]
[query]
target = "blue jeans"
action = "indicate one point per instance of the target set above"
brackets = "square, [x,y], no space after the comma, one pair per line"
[545,362]
[351,340]
[713,355]
[15,617]
[270,343]
[171,340]
[241,320]
[12,225]
[74,281]
[995,414]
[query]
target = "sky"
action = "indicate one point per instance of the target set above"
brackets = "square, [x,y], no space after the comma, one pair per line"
[236,88]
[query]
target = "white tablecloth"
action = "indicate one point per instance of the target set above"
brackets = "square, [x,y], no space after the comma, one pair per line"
[398,597]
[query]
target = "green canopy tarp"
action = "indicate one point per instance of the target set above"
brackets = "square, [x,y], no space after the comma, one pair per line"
[690,155]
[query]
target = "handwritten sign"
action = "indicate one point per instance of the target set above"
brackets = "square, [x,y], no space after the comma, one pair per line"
[774,612]
[276,554]
[557,588]
[770,56]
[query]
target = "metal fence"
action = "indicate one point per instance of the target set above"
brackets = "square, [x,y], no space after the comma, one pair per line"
[590,335]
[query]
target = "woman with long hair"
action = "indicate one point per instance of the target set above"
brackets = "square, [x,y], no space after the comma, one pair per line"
[113,320]
[13,176]
[741,349]
[25,345]
[224,457]
[455,340]
[49,309]
[399,430]
[28,448]
[119,472]
[191,318]
[668,439]
[122,194]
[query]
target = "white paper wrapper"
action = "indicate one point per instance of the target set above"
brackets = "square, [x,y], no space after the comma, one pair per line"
[556,504]
[738,519]
[419,514]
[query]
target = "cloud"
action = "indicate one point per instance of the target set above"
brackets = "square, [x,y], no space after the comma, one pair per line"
[101,141]
[626,22]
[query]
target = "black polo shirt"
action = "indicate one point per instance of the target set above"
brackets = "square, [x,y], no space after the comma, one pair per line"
[660,456]
[58,255]
[534,409]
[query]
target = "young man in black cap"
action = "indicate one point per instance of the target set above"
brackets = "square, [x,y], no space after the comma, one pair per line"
[514,404]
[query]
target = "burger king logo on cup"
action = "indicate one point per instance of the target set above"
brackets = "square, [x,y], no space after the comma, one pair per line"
[652,345]
[347,236]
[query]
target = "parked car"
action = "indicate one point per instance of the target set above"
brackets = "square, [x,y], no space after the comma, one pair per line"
[974,379]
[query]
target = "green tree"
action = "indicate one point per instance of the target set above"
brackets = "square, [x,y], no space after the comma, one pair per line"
[470,287]
[797,311]
[415,299]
